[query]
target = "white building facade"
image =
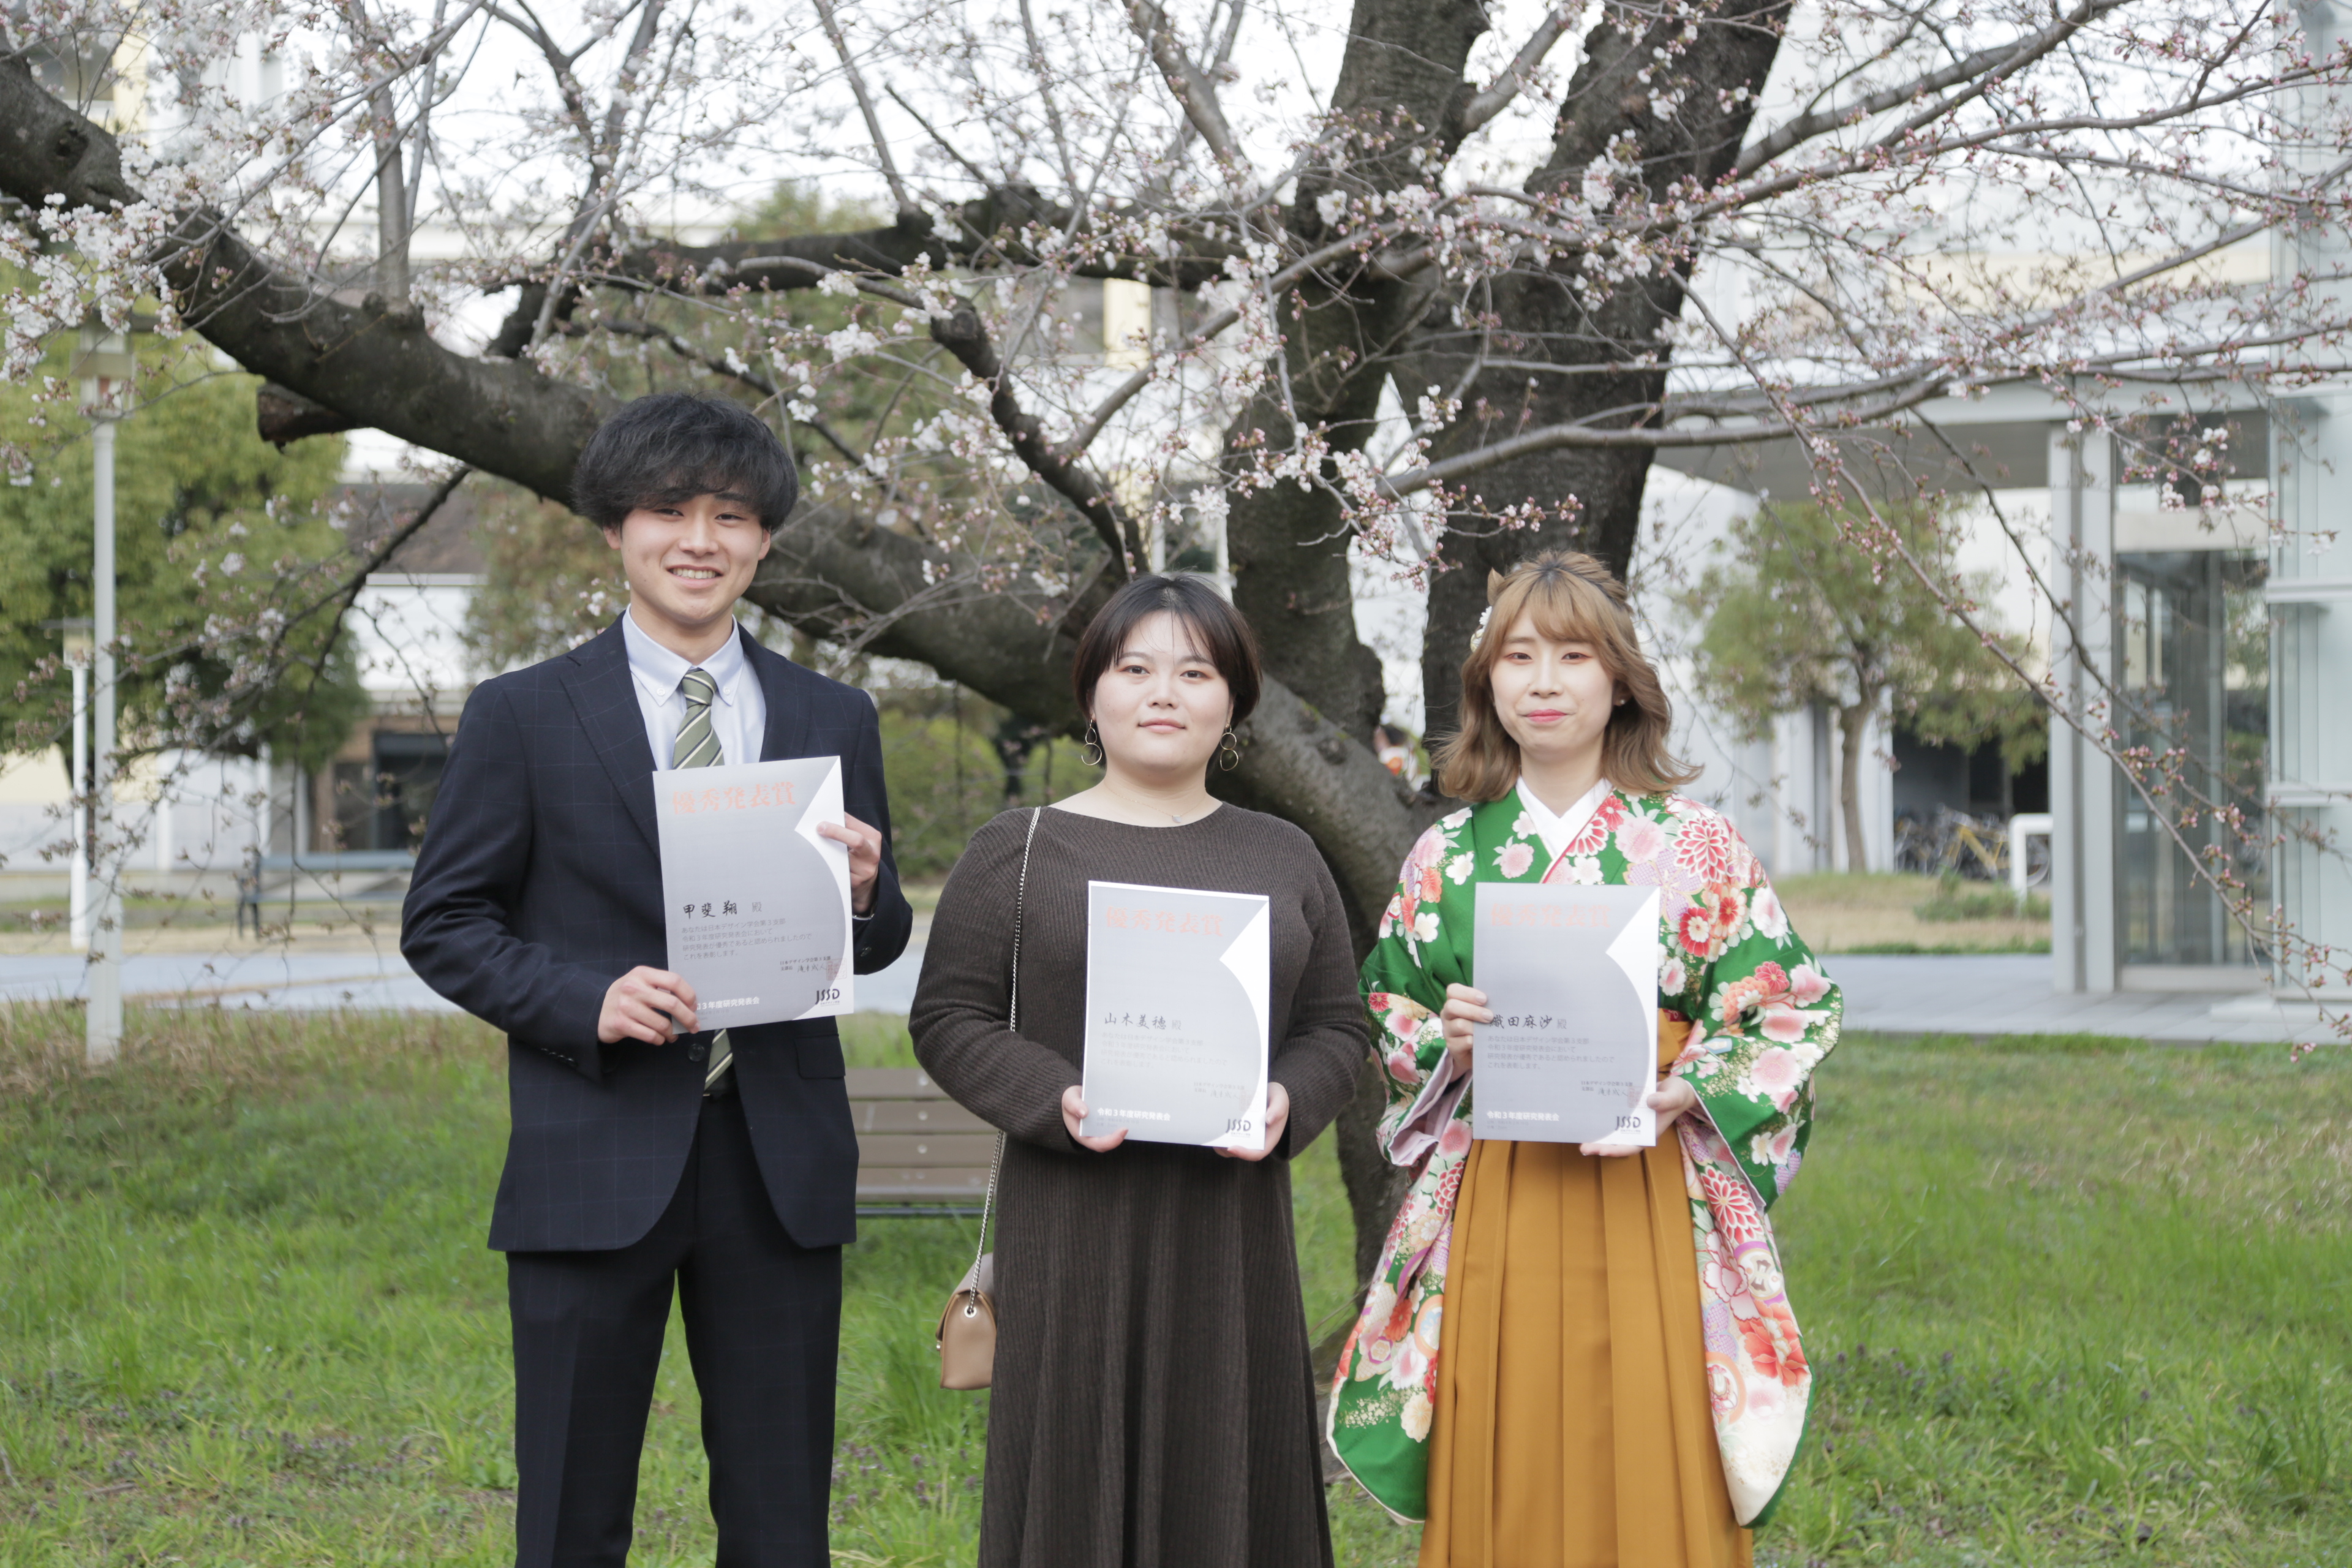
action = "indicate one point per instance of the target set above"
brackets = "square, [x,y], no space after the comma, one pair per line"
[2213,643]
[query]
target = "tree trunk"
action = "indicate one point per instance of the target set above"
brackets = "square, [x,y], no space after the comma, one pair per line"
[1852,720]
[1553,318]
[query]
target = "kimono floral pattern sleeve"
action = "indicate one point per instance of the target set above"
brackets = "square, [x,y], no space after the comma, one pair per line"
[1382,1401]
[1411,961]
[1763,1013]
[1763,1017]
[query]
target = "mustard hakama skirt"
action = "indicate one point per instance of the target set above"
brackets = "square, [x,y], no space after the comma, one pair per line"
[1572,1428]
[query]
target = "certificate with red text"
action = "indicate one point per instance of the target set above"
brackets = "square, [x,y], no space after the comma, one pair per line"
[1178,1015]
[1570,973]
[757,900]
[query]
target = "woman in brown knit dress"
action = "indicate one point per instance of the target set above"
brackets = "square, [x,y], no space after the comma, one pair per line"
[1152,1406]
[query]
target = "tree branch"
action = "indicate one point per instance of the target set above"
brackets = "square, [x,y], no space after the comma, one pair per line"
[1498,94]
[962,334]
[1313,261]
[989,224]
[978,175]
[865,105]
[686,350]
[1193,90]
[1979,70]
[357,582]
[367,362]
[550,300]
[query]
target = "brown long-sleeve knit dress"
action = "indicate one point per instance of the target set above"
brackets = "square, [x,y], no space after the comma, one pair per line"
[1152,1404]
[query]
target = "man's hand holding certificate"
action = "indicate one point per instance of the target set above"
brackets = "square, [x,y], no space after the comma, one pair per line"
[758,901]
[1570,974]
[1178,1016]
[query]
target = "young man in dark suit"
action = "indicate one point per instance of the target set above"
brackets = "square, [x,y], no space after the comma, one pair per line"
[645,1151]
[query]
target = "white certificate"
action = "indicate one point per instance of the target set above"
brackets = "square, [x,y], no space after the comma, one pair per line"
[1178,1015]
[1571,973]
[757,900]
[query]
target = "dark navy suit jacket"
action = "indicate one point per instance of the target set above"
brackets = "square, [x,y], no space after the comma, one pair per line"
[539,884]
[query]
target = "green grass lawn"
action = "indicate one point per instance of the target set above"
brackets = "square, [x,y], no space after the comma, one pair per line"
[2070,1301]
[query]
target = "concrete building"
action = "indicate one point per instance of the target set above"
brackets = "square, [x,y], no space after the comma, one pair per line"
[2204,634]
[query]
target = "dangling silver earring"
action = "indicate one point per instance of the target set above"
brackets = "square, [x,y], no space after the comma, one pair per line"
[1229,752]
[1093,744]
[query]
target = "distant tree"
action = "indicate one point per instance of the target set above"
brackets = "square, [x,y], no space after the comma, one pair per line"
[224,544]
[1980,707]
[550,581]
[1796,616]
[950,770]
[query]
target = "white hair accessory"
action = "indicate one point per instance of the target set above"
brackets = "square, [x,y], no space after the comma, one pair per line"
[1478,633]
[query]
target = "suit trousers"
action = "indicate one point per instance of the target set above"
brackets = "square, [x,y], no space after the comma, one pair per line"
[762,1320]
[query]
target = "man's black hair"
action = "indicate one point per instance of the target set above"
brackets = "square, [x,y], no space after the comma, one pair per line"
[672,446]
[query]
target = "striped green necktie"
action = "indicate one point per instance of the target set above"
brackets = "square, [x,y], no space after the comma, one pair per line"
[698,747]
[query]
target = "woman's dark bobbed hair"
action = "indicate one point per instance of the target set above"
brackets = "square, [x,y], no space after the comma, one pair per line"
[1217,629]
[673,446]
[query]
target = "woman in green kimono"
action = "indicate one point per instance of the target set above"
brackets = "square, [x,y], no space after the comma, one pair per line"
[1575,1356]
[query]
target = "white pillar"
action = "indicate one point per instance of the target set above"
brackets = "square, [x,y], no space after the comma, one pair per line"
[263,770]
[104,1039]
[300,789]
[2082,937]
[1806,830]
[164,847]
[1211,505]
[1878,787]
[77,871]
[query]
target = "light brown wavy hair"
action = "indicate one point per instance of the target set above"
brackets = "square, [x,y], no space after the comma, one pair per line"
[1571,598]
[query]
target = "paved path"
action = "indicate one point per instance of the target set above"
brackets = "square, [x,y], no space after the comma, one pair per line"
[274,978]
[1991,993]
[2010,994]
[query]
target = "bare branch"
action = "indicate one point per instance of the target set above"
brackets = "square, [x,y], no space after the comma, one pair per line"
[1498,94]
[1191,85]
[544,300]
[711,363]
[1978,71]
[962,334]
[1313,261]
[2025,132]
[865,105]
[348,594]
[979,176]
[1042,65]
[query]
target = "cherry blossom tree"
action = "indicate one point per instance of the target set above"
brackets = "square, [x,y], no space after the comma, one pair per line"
[1435,281]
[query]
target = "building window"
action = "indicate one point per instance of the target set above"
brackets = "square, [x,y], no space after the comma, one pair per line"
[382,802]
[407,770]
[2195,644]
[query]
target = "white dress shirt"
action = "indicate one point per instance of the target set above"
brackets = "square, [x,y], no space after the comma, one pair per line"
[739,715]
[1558,829]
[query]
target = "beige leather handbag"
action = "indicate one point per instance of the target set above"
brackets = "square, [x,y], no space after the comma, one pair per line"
[967,1342]
[967,1336]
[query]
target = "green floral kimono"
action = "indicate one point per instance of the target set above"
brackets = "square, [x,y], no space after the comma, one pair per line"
[1762,1015]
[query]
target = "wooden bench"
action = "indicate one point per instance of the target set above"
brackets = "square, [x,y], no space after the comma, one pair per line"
[918,1153]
